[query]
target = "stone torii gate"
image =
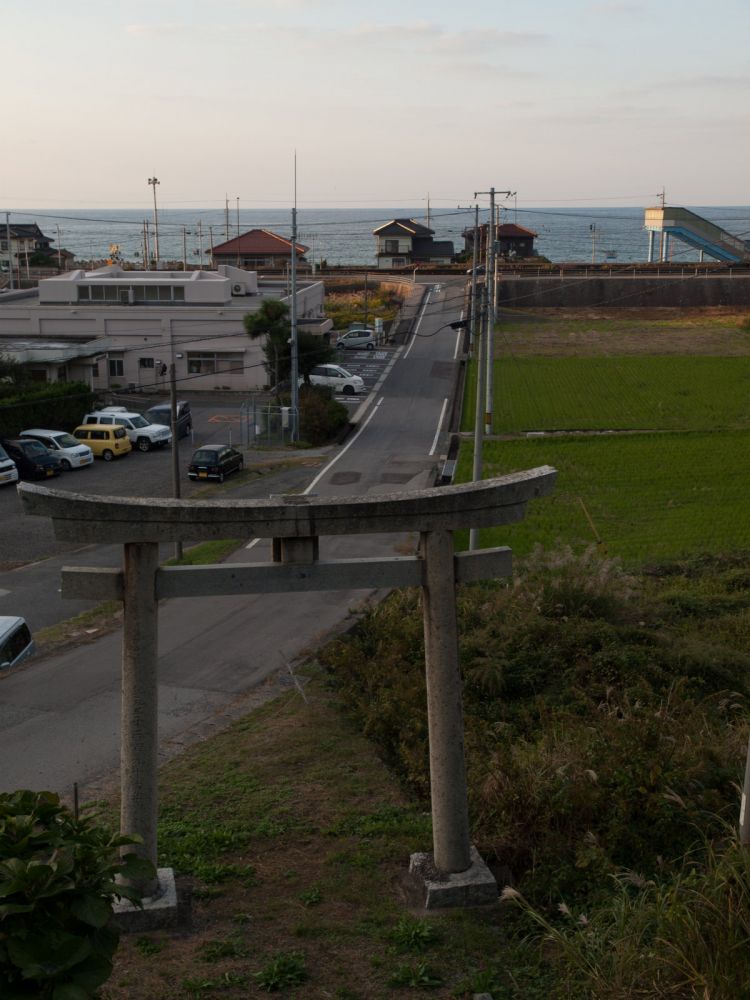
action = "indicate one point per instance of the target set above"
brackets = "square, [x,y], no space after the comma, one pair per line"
[454,874]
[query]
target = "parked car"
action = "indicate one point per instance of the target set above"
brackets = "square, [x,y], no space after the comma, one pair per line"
[336,378]
[16,643]
[106,441]
[215,461]
[162,414]
[72,454]
[8,470]
[361,338]
[32,459]
[143,435]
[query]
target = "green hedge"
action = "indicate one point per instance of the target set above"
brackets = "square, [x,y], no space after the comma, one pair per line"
[57,405]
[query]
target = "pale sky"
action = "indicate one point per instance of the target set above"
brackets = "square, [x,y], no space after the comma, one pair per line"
[591,102]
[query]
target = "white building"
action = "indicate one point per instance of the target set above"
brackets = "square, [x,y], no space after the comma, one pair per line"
[133,323]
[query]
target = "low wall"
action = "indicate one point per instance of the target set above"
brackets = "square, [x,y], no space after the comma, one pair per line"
[571,292]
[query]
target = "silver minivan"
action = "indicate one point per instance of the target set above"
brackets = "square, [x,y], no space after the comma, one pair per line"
[16,643]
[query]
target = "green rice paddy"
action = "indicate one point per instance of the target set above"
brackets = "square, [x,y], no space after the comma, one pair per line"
[677,486]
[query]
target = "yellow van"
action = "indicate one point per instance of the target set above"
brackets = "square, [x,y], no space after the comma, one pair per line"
[106,442]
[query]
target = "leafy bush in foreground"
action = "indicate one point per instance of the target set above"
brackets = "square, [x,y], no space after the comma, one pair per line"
[56,892]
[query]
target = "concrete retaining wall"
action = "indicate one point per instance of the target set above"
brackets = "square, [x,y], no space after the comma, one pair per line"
[630,292]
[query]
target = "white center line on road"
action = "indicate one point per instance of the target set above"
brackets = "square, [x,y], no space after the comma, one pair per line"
[416,328]
[439,426]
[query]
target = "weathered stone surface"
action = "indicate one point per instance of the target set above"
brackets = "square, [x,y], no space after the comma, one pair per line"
[161,910]
[474,887]
[84,518]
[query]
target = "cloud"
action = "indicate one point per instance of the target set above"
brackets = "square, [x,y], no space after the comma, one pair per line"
[163,28]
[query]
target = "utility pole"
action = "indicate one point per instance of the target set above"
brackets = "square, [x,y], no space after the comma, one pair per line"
[153,181]
[293,318]
[479,361]
[11,277]
[146,247]
[238,230]
[594,236]
[184,248]
[211,242]
[489,275]
[176,490]
[59,249]
[226,216]
[200,242]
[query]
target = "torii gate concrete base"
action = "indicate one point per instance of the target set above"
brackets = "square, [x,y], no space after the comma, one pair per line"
[476,886]
[453,875]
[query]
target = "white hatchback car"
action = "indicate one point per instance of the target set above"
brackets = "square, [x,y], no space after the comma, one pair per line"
[359,339]
[71,453]
[336,378]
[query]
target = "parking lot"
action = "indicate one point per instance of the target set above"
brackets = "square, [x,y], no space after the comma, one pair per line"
[143,474]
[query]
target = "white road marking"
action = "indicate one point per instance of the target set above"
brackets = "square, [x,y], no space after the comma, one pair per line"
[416,328]
[344,449]
[439,426]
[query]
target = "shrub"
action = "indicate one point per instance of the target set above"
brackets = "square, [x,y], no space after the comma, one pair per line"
[320,416]
[57,404]
[57,886]
[598,735]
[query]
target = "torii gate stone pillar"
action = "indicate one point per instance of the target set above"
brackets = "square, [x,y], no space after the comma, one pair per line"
[453,874]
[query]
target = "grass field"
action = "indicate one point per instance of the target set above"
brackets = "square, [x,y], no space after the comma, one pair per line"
[646,495]
[617,393]
[649,496]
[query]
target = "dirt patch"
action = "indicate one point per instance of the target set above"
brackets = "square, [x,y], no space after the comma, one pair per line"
[610,332]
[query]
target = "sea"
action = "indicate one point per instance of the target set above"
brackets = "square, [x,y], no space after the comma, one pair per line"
[338,236]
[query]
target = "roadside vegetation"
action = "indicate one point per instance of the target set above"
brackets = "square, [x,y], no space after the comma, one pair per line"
[348,307]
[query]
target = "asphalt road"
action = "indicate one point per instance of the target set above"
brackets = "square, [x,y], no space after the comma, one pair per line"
[59,716]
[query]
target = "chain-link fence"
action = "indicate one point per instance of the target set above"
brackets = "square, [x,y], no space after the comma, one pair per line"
[265,423]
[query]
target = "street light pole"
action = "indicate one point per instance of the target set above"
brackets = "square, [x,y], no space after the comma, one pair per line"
[153,181]
[293,317]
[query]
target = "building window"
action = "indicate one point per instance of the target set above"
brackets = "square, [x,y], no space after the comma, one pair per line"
[146,362]
[398,262]
[391,246]
[208,363]
[116,368]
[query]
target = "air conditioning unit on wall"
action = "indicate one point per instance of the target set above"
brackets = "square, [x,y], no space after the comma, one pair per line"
[239,288]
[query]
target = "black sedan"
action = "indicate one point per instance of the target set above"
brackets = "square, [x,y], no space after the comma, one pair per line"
[32,459]
[214,461]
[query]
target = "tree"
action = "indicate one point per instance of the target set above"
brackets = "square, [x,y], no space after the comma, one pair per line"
[271,321]
[13,376]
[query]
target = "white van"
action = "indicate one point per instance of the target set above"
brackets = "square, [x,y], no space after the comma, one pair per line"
[16,643]
[143,435]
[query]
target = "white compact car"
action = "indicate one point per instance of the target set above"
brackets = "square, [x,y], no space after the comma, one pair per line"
[71,453]
[336,378]
[143,435]
[8,470]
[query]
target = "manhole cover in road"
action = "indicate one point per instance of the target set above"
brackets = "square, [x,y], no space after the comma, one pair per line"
[345,478]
